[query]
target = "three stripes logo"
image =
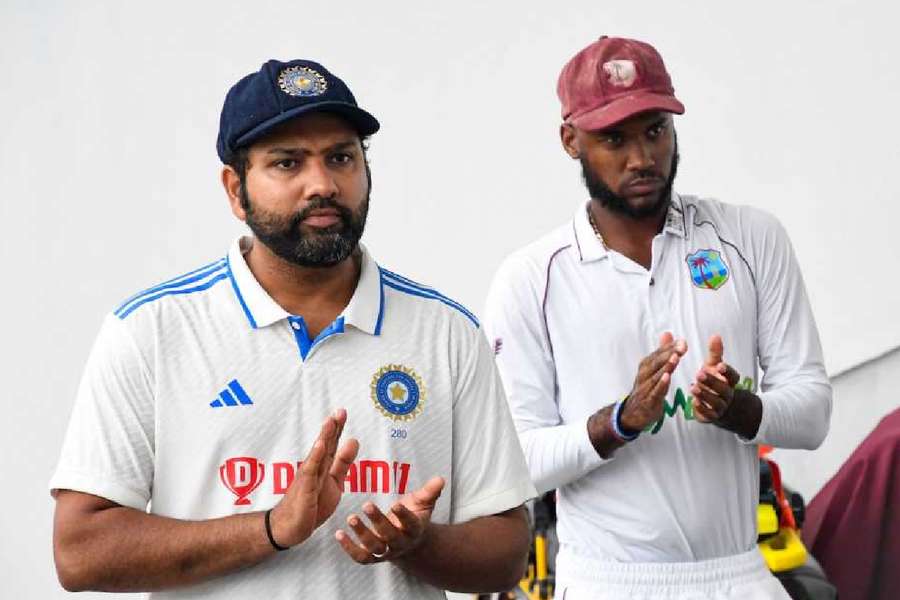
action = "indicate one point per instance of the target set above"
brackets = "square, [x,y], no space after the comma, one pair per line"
[233,395]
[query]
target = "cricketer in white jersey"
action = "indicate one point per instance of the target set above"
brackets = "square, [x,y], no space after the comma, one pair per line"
[669,474]
[202,458]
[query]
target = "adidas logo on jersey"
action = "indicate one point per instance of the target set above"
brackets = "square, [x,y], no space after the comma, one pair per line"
[233,395]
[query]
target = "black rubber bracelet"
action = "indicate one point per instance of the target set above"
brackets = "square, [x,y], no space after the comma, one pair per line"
[269,533]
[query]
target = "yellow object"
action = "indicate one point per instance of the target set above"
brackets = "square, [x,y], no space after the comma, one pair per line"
[783,551]
[536,585]
[766,519]
[540,556]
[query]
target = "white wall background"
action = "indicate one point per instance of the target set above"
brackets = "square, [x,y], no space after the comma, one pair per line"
[108,173]
[862,396]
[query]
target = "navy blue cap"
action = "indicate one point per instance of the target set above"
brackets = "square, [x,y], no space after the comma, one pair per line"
[279,92]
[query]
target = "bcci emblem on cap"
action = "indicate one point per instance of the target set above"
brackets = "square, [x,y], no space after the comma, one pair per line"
[398,392]
[708,270]
[302,81]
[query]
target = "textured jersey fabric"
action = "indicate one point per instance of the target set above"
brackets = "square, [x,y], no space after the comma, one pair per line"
[571,321]
[201,395]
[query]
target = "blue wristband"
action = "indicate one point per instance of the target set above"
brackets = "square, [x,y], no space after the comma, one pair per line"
[615,420]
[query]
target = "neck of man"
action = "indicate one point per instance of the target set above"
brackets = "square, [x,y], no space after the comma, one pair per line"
[318,294]
[628,235]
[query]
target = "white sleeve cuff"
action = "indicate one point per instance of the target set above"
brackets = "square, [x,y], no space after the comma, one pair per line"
[588,458]
[496,503]
[114,491]
[559,455]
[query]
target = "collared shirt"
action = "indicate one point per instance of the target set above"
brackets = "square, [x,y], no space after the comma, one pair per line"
[572,320]
[202,395]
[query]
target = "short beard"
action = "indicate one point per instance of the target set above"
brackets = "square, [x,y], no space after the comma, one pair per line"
[324,248]
[601,192]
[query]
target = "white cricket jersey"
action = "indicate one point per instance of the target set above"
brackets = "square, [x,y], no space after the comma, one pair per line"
[202,394]
[571,321]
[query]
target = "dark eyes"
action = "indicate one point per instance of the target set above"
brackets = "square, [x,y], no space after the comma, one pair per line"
[289,164]
[286,163]
[341,158]
[613,139]
[616,139]
[656,131]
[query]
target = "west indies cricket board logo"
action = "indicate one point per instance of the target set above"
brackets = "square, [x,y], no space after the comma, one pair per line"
[708,270]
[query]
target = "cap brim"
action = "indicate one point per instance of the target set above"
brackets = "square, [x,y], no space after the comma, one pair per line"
[623,108]
[363,122]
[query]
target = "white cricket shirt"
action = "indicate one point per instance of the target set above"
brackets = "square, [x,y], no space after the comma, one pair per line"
[202,394]
[571,321]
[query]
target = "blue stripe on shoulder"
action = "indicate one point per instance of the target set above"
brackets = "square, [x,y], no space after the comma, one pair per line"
[173,292]
[409,287]
[189,277]
[428,290]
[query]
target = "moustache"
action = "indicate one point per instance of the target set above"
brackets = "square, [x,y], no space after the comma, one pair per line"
[317,203]
[645,176]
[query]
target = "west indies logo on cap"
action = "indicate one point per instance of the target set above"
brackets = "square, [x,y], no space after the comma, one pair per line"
[302,81]
[398,392]
[621,72]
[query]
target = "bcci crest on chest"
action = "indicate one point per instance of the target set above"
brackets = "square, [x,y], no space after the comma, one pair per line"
[708,269]
[398,392]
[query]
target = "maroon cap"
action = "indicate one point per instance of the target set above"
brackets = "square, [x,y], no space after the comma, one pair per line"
[613,79]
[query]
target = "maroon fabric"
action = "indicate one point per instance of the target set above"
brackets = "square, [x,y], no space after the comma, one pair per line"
[613,79]
[853,525]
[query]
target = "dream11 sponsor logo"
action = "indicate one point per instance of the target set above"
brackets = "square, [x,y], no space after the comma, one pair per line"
[241,475]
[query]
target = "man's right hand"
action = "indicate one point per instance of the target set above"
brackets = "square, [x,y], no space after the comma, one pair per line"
[645,402]
[314,494]
[101,545]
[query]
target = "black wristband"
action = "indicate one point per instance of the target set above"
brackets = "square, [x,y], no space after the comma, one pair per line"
[269,533]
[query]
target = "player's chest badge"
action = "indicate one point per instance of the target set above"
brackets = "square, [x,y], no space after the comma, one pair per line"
[398,392]
[708,269]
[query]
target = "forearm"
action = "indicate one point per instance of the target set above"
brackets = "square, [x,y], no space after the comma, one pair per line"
[120,549]
[601,434]
[487,554]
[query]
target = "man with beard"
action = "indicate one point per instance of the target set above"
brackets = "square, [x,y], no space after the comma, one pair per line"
[655,461]
[219,398]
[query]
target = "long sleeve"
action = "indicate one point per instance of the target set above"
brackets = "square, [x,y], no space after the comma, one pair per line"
[556,453]
[795,391]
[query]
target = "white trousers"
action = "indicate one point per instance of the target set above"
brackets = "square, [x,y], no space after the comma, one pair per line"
[740,577]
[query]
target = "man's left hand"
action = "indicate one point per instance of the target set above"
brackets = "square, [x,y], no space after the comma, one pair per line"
[717,401]
[391,536]
[714,389]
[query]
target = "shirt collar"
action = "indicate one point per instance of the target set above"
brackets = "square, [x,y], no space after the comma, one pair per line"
[587,243]
[675,217]
[590,248]
[365,310]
